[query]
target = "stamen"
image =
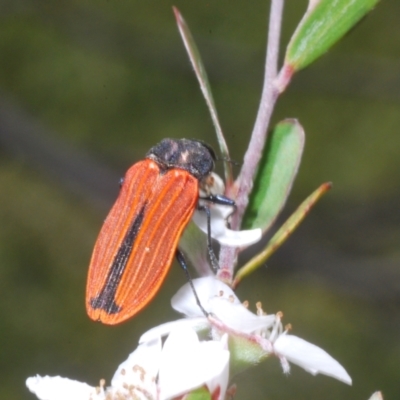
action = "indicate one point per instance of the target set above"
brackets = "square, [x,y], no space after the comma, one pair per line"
[260,311]
[288,327]
[277,329]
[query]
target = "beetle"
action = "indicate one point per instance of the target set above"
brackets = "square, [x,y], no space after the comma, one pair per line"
[139,238]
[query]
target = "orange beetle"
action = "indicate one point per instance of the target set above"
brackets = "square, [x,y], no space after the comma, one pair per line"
[139,238]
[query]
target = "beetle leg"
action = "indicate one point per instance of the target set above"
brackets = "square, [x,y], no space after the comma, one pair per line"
[181,260]
[211,254]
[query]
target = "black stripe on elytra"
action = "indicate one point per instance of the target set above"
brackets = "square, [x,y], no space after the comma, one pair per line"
[106,298]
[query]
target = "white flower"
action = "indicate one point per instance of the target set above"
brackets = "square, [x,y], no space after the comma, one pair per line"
[134,379]
[217,299]
[220,300]
[264,331]
[152,372]
[185,363]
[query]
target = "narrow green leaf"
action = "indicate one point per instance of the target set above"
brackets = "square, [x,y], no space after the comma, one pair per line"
[275,175]
[324,23]
[282,234]
[193,243]
[205,87]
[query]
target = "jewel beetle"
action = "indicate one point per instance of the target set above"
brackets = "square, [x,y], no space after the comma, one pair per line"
[139,238]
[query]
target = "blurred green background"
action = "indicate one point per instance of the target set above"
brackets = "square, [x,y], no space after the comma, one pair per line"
[87,87]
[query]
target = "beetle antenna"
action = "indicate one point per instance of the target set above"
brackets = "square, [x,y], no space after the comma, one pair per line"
[229,160]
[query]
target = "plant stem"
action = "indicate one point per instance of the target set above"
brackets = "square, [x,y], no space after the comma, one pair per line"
[270,93]
[269,96]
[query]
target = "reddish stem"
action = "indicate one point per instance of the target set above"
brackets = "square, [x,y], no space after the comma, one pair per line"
[244,183]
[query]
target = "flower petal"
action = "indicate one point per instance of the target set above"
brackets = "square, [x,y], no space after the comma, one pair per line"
[139,370]
[206,288]
[197,324]
[58,388]
[310,357]
[376,396]
[219,382]
[221,233]
[186,363]
[238,317]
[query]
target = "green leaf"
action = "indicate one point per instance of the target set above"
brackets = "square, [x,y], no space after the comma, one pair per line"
[282,234]
[193,243]
[324,23]
[201,74]
[275,175]
[199,394]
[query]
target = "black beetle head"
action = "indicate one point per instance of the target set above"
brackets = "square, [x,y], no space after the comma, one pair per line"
[193,156]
